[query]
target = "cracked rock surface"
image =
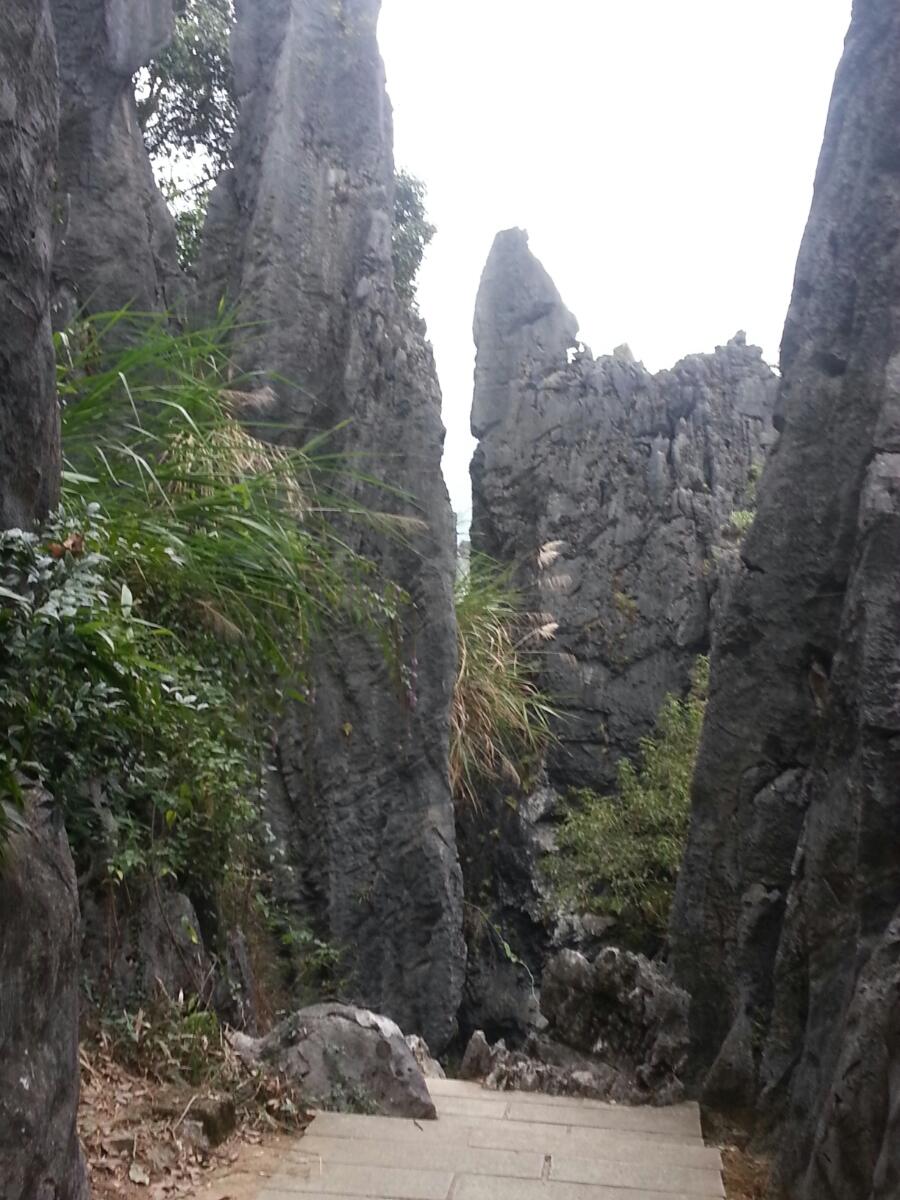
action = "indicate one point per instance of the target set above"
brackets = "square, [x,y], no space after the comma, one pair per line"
[612,492]
[785,927]
[299,238]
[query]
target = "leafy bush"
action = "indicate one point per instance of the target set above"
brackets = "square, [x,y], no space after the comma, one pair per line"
[145,632]
[142,745]
[620,855]
[500,721]
[413,232]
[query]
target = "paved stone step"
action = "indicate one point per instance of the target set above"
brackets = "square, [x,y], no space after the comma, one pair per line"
[474,1187]
[465,1089]
[659,1177]
[429,1155]
[342,1179]
[456,1098]
[521,1135]
[467,1160]
[683,1120]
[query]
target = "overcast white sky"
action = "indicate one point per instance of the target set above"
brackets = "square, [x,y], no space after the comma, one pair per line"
[660,153]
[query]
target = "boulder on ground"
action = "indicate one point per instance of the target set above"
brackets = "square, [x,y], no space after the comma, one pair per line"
[345,1058]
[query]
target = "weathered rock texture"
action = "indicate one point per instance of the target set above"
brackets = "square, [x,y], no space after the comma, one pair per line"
[39,1073]
[117,239]
[611,492]
[342,1057]
[299,237]
[617,1030]
[626,481]
[787,922]
[29,418]
[39,1076]
[144,949]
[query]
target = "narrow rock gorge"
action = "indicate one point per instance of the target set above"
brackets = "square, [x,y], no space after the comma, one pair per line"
[361,800]
[717,508]
[617,497]
[786,924]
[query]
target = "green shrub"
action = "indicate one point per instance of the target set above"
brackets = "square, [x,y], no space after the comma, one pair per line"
[141,744]
[500,721]
[145,632]
[620,855]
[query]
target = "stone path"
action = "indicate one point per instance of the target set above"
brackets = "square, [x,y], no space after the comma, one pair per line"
[503,1146]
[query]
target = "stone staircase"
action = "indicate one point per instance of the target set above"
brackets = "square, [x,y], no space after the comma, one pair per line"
[502,1146]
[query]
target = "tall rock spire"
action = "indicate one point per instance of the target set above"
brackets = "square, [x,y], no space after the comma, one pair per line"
[299,240]
[39,918]
[787,922]
[117,247]
[29,413]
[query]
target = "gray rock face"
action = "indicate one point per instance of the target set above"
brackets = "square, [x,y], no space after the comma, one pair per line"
[29,417]
[617,1030]
[786,923]
[143,949]
[622,1008]
[299,238]
[117,245]
[611,490]
[345,1058]
[39,1075]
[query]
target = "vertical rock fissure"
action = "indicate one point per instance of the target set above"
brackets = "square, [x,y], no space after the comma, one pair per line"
[299,239]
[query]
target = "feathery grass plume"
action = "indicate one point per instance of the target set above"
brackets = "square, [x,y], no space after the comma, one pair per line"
[619,855]
[210,526]
[500,720]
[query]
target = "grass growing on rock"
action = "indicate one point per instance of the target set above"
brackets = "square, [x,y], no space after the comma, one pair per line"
[500,720]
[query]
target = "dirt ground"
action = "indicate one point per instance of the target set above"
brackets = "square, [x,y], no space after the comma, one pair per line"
[746,1177]
[142,1141]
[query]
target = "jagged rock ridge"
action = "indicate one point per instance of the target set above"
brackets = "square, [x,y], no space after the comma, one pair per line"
[611,490]
[787,922]
[299,238]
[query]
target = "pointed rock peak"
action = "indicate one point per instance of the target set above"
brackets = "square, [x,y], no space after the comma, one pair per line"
[520,318]
[517,291]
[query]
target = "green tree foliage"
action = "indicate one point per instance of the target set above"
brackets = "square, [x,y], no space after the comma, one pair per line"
[500,720]
[186,100]
[413,232]
[620,855]
[187,110]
